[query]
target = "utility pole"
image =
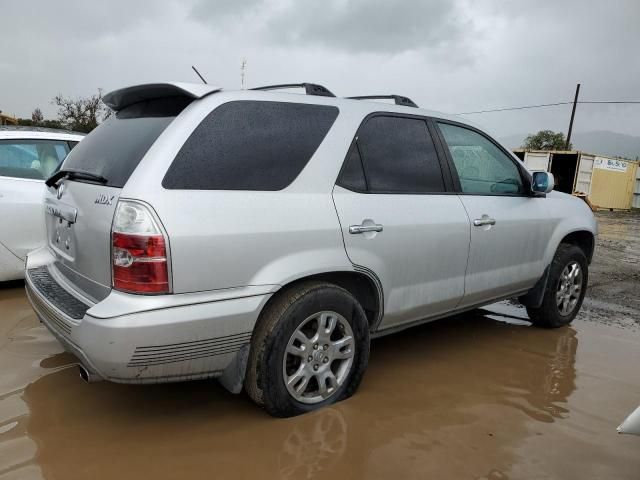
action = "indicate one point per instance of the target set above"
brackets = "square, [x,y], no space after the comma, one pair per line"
[573,114]
[243,67]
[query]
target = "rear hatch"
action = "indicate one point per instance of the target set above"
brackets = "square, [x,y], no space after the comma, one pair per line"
[80,208]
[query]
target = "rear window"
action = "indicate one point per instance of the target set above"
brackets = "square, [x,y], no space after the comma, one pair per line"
[32,159]
[115,148]
[250,145]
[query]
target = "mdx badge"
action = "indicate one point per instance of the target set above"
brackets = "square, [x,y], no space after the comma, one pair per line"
[103,199]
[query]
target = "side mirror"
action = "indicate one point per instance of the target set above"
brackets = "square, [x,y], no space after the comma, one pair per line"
[542,182]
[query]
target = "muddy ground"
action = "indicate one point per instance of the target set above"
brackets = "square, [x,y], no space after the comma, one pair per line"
[613,297]
[479,396]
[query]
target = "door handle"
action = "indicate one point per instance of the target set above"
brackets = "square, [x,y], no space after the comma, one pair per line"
[479,222]
[353,229]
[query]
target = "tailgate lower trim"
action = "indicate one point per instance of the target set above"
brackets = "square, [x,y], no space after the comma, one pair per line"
[54,293]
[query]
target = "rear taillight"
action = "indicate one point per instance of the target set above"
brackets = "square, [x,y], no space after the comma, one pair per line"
[139,256]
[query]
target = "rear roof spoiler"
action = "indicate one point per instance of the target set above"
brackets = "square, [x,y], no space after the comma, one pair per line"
[123,97]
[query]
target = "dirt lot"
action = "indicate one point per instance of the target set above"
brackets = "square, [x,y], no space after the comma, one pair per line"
[480,396]
[613,297]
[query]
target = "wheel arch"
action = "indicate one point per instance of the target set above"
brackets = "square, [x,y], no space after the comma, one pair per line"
[363,286]
[584,239]
[572,232]
[361,283]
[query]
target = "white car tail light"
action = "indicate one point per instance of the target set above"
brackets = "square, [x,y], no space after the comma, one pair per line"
[138,251]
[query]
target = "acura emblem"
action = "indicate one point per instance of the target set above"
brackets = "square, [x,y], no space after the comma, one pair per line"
[60,191]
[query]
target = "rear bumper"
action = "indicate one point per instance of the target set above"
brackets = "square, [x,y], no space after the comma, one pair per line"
[182,341]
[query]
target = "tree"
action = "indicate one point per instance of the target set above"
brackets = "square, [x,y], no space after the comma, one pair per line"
[28,122]
[546,140]
[81,114]
[36,117]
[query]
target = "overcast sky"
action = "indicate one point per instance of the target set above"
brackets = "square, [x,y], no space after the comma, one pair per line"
[452,56]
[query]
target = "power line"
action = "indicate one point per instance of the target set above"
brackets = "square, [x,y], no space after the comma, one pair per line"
[550,105]
[516,108]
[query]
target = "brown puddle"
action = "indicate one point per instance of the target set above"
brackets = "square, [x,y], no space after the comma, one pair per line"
[465,398]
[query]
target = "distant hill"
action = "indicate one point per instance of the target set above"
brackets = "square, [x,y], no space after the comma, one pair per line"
[600,141]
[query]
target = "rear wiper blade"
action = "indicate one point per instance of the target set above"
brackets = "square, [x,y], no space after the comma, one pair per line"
[74,174]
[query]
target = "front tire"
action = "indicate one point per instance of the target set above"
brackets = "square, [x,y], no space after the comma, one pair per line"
[310,349]
[565,289]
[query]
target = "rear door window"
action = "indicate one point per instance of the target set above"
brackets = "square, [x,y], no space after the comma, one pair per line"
[398,155]
[250,145]
[32,159]
[114,149]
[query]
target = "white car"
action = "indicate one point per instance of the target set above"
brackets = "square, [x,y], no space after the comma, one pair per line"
[28,156]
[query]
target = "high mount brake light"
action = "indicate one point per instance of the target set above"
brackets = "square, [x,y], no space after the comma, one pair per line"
[139,259]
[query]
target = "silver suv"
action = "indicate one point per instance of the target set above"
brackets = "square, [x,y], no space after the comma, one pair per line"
[264,237]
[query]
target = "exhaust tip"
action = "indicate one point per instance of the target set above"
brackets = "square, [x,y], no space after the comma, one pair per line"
[87,376]
[84,374]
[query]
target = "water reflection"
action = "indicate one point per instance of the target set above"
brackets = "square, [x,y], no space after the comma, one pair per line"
[316,442]
[452,399]
[547,383]
[469,398]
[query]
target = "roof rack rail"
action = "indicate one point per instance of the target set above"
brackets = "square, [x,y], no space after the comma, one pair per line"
[309,88]
[398,99]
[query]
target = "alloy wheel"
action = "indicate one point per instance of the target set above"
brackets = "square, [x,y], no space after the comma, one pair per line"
[569,288]
[318,357]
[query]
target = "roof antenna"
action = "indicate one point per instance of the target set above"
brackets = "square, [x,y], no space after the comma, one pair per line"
[198,73]
[243,68]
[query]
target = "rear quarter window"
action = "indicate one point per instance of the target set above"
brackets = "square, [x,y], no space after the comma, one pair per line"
[250,145]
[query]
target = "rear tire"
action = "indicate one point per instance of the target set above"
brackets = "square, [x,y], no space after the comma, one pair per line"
[565,289]
[279,352]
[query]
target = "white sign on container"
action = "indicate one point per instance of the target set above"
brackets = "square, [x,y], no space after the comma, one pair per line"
[610,164]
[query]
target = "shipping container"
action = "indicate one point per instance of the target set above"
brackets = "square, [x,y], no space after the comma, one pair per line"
[636,191]
[612,183]
[607,182]
[585,173]
[537,160]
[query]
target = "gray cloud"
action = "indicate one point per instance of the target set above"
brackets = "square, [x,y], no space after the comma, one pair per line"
[74,19]
[371,25]
[454,56]
[209,12]
[361,26]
